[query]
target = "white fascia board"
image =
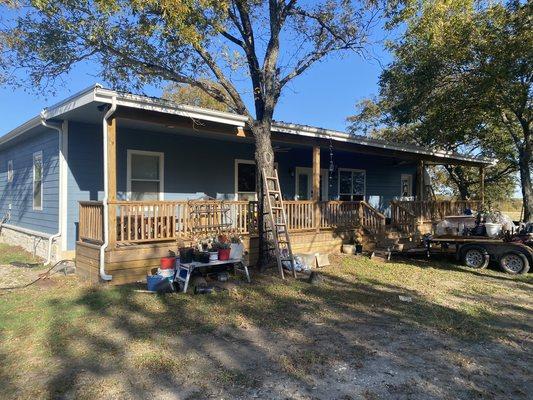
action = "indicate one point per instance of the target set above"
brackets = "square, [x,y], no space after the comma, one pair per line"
[77,100]
[162,106]
[347,138]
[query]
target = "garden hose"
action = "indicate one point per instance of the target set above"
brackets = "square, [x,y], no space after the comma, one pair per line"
[44,275]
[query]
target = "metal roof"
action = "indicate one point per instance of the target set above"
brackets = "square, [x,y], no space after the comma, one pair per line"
[97,93]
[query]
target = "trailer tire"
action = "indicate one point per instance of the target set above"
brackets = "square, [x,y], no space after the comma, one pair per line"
[514,262]
[475,257]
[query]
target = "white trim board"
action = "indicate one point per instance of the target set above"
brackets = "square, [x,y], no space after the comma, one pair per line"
[38,154]
[63,185]
[161,180]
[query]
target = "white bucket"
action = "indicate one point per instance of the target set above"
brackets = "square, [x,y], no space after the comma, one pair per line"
[493,230]
[213,255]
[236,251]
[165,273]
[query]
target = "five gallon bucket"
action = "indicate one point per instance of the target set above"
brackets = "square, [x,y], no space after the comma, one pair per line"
[168,263]
[493,230]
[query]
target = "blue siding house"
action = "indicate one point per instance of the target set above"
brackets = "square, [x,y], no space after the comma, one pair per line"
[165,152]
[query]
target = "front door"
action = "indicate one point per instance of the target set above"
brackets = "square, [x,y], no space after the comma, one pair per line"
[407,185]
[304,184]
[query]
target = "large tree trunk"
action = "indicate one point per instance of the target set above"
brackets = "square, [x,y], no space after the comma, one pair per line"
[264,158]
[524,162]
[457,176]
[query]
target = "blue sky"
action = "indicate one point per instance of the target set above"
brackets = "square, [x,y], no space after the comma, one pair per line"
[324,96]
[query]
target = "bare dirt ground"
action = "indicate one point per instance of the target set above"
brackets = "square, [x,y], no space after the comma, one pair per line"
[463,335]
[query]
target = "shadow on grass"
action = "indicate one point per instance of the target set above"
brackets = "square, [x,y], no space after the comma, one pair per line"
[238,343]
[449,263]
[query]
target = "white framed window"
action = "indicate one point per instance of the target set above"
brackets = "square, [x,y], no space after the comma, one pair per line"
[352,184]
[245,180]
[10,171]
[406,188]
[38,181]
[145,175]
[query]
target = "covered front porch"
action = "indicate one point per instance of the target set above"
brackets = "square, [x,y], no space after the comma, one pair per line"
[168,180]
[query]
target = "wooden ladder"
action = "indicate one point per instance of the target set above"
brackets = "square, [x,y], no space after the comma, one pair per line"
[276,233]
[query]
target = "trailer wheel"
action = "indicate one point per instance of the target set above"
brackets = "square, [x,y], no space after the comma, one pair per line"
[475,257]
[514,262]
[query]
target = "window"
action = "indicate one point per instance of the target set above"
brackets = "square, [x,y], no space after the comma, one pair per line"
[406,185]
[245,180]
[352,184]
[145,175]
[10,171]
[38,180]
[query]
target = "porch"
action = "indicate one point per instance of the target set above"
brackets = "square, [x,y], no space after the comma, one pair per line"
[167,180]
[144,231]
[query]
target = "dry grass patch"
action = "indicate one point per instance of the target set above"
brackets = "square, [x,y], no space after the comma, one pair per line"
[79,341]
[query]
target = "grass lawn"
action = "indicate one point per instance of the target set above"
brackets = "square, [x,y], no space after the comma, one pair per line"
[463,334]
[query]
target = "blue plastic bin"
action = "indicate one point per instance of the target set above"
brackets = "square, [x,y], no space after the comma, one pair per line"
[152,281]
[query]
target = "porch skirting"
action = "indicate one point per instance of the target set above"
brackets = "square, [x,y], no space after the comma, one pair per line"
[133,262]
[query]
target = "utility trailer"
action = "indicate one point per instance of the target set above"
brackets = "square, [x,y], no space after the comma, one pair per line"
[478,251]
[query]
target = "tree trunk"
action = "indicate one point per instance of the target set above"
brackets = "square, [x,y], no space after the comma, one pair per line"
[264,158]
[524,162]
[457,177]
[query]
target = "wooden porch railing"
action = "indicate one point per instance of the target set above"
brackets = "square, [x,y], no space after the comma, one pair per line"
[91,223]
[407,214]
[168,220]
[402,218]
[438,209]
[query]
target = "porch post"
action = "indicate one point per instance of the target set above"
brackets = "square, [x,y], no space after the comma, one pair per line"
[482,185]
[420,181]
[316,185]
[112,179]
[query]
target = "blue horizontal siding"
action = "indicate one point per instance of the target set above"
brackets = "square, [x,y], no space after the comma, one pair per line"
[19,193]
[196,166]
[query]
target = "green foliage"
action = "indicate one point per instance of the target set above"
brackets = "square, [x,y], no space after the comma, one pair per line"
[207,44]
[460,81]
[193,96]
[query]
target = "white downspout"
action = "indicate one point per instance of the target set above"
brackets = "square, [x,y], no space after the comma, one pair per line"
[51,239]
[103,274]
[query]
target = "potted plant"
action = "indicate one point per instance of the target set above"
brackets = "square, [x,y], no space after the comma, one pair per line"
[236,247]
[224,247]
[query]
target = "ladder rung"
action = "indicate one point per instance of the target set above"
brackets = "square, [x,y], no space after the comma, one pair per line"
[271,178]
[277,208]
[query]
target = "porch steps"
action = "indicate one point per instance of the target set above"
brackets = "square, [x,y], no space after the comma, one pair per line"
[276,235]
[392,239]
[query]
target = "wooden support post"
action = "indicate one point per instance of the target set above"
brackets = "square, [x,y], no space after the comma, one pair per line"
[316,185]
[420,185]
[112,179]
[482,185]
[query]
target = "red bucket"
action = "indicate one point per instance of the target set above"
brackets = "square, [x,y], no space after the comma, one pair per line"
[223,254]
[168,263]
